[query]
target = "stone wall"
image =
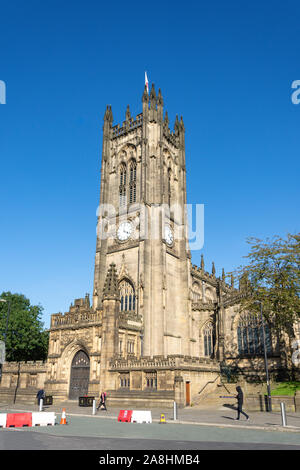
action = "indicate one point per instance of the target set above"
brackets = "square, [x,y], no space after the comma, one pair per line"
[21,380]
[258,402]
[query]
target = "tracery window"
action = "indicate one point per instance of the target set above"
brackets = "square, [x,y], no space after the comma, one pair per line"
[124,380]
[208,335]
[196,292]
[151,380]
[127,296]
[132,182]
[122,187]
[250,336]
[130,346]
[169,186]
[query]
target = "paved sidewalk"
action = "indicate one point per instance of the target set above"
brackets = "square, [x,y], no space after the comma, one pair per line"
[221,417]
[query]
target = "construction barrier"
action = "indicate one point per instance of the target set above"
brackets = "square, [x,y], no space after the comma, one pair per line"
[3,420]
[141,417]
[125,416]
[43,418]
[18,420]
[63,419]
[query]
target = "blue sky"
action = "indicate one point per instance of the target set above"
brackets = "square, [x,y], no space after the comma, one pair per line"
[226,67]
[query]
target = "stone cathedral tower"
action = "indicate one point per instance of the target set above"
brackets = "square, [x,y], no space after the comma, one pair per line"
[159,329]
[142,176]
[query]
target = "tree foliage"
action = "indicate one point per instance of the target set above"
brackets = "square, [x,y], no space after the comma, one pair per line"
[26,339]
[272,276]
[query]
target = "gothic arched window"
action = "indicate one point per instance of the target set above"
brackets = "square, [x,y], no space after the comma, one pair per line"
[250,336]
[127,296]
[169,186]
[122,187]
[208,335]
[196,292]
[132,182]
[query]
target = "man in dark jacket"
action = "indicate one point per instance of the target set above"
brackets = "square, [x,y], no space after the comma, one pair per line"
[240,400]
[40,395]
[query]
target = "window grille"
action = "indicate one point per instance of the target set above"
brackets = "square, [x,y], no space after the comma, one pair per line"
[250,336]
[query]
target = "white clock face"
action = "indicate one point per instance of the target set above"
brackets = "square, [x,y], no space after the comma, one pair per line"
[168,235]
[124,231]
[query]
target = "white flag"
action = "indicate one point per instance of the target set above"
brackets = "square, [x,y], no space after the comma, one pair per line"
[146,82]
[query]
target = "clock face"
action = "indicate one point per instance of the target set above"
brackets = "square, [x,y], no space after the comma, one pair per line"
[168,235]
[124,231]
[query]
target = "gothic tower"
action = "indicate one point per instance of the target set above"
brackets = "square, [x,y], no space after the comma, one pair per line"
[142,225]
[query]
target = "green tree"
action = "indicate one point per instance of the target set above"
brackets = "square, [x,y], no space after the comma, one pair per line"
[26,339]
[272,276]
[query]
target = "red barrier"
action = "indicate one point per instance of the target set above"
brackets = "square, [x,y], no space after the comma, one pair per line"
[18,420]
[125,416]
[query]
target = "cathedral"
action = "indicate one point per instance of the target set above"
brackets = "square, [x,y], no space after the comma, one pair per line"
[158,329]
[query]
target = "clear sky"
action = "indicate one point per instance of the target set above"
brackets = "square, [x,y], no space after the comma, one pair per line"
[225,66]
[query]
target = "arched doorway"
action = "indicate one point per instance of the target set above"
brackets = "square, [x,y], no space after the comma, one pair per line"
[80,374]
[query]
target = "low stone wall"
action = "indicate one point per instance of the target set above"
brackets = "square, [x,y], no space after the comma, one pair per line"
[259,402]
[297,401]
[128,399]
[21,380]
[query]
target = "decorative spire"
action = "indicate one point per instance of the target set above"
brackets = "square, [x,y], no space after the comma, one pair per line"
[243,282]
[127,115]
[160,101]
[107,114]
[213,270]
[176,125]
[152,97]
[223,275]
[87,300]
[166,120]
[181,124]
[202,263]
[111,288]
[110,114]
[145,97]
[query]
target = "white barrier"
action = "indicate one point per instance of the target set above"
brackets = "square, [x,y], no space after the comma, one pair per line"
[43,418]
[3,420]
[141,417]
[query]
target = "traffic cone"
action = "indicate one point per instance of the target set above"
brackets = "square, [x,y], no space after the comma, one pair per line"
[162,419]
[63,417]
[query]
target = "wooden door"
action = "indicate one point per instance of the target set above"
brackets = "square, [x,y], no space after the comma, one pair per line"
[187,393]
[80,372]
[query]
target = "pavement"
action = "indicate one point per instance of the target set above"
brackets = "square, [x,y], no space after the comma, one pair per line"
[222,417]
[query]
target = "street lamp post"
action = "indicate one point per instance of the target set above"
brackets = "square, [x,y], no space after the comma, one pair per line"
[265,355]
[6,328]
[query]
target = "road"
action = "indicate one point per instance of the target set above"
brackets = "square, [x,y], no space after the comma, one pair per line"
[93,433]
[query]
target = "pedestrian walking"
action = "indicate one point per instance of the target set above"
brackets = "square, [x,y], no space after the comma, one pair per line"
[240,401]
[102,404]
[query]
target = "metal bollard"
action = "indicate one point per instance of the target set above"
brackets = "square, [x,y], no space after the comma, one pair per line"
[174,410]
[41,404]
[94,407]
[283,414]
